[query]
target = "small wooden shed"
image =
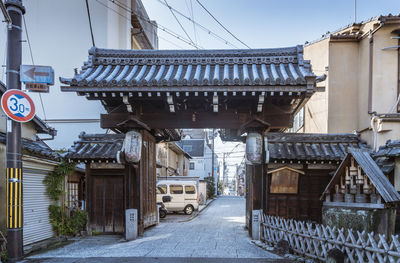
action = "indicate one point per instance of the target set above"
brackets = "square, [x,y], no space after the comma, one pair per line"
[111,187]
[300,166]
[360,196]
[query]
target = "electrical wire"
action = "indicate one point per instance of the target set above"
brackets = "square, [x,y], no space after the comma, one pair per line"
[163,28]
[90,22]
[172,43]
[33,62]
[177,20]
[216,20]
[201,26]
[192,16]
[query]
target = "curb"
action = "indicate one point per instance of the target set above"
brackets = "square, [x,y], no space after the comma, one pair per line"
[197,214]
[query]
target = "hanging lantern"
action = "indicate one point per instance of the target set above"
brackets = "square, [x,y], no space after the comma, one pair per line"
[266,149]
[254,146]
[131,148]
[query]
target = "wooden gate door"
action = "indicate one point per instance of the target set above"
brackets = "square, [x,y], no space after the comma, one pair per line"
[106,213]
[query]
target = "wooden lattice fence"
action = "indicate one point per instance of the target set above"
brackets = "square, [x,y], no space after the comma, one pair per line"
[315,240]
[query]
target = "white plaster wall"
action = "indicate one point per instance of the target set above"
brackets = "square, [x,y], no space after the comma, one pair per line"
[397,174]
[198,167]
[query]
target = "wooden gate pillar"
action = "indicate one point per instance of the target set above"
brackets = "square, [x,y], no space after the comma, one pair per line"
[256,177]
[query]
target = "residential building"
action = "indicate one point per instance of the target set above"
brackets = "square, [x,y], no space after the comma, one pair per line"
[362,87]
[172,160]
[67,40]
[201,163]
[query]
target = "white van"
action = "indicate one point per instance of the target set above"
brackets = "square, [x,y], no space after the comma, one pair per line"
[183,195]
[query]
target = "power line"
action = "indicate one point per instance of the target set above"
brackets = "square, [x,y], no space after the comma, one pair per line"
[192,16]
[177,20]
[33,62]
[172,43]
[216,20]
[163,28]
[90,22]
[201,26]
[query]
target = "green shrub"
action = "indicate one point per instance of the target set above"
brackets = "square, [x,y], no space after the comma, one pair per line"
[79,220]
[54,181]
[64,225]
[210,187]
[3,255]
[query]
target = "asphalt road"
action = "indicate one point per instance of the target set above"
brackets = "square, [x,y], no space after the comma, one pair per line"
[217,234]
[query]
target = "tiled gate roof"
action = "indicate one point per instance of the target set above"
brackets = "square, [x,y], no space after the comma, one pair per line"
[311,147]
[133,68]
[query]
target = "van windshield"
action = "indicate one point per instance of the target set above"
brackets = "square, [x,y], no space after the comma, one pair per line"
[161,189]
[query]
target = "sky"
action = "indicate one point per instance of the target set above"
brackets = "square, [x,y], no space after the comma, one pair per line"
[260,23]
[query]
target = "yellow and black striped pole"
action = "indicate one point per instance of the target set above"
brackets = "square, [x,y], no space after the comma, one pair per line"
[14,161]
[14,198]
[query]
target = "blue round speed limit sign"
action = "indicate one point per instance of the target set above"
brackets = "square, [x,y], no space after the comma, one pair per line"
[17,105]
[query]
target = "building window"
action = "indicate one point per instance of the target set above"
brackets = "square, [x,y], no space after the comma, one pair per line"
[298,121]
[73,197]
[191,166]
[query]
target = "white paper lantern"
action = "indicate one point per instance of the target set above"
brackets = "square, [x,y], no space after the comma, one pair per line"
[132,147]
[254,149]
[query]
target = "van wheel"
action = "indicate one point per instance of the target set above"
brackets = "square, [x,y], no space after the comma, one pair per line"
[188,209]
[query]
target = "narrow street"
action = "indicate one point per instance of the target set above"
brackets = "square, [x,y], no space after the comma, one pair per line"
[217,233]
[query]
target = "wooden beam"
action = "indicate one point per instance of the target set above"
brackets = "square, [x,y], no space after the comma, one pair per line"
[167,120]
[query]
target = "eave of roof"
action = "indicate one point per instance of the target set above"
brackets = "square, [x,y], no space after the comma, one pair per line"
[118,69]
[335,35]
[35,148]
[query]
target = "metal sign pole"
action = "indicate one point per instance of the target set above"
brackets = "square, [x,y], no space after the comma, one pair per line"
[14,160]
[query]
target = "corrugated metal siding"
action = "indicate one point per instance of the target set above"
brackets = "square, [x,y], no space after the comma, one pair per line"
[37,225]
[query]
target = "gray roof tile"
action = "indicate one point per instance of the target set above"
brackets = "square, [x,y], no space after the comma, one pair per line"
[35,148]
[250,67]
[105,146]
[311,147]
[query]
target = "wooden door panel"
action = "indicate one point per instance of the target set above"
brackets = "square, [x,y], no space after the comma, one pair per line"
[106,213]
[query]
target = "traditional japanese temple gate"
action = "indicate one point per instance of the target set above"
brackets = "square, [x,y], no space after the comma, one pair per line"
[239,91]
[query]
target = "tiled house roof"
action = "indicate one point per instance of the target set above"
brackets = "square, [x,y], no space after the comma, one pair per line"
[96,147]
[104,147]
[34,148]
[386,154]
[194,147]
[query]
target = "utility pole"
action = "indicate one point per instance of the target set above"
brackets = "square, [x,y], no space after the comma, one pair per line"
[13,158]
[224,167]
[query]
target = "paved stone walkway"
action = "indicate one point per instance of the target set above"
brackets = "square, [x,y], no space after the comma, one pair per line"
[218,232]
